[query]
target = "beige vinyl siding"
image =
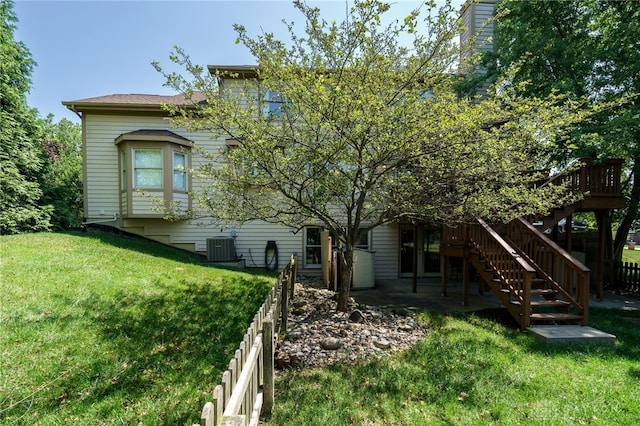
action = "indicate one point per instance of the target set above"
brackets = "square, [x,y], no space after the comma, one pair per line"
[385,242]
[103,193]
[145,202]
[483,13]
[474,17]
[101,157]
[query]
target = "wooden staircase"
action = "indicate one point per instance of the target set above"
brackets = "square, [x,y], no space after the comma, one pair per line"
[537,281]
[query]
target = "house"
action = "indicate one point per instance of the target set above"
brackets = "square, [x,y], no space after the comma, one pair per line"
[134,160]
[130,147]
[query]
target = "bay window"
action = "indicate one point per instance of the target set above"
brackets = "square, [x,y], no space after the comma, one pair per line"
[154,174]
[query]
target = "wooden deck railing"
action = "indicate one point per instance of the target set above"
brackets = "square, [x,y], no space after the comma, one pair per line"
[247,386]
[597,179]
[562,271]
[514,272]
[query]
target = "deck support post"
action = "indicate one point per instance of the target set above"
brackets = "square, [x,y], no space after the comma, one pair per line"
[465,279]
[602,241]
[444,261]
[414,279]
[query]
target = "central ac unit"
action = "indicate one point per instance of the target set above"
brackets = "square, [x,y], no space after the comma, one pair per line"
[221,249]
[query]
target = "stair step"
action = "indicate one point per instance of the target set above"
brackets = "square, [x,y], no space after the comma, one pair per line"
[546,303]
[553,316]
[535,291]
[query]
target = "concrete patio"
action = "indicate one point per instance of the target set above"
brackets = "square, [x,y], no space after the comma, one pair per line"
[398,293]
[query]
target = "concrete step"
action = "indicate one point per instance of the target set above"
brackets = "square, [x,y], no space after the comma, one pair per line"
[571,334]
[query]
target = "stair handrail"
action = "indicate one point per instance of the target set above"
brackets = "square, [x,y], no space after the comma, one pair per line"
[513,270]
[535,249]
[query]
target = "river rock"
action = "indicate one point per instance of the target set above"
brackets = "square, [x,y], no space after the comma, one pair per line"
[317,326]
[356,316]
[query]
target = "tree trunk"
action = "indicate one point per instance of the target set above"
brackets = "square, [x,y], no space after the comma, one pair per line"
[346,261]
[608,248]
[632,212]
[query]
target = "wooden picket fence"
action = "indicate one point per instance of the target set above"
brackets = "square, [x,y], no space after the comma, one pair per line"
[247,386]
[627,277]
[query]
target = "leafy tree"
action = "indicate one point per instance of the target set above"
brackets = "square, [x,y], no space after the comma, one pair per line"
[62,177]
[585,49]
[21,155]
[367,131]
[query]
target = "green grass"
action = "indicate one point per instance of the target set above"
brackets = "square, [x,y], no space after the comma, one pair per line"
[632,256]
[473,371]
[104,329]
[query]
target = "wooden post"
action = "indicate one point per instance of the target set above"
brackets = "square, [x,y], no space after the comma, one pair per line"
[525,322]
[568,232]
[465,279]
[602,238]
[293,276]
[444,270]
[414,280]
[268,388]
[325,258]
[285,303]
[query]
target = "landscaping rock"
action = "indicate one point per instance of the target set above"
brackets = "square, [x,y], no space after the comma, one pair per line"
[331,344]
[317,326]
[382,343]
[356,316]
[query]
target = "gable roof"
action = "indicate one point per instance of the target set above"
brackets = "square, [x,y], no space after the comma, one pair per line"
[140,102]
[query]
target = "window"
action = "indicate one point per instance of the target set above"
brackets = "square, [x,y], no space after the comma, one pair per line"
[179,171]
[147,168]
[154,177]
[312,247]
[242,165]
[313,243]
[123,170]
[273,104]
[363,243]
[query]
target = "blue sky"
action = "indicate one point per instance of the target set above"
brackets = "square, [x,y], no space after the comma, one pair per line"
[92,48]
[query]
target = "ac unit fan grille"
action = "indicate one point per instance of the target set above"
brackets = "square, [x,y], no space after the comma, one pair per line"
[221,249]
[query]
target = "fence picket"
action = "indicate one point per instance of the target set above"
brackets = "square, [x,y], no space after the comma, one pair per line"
[627,277]
[239,393]
[218,404]
[227,387]
[207,415]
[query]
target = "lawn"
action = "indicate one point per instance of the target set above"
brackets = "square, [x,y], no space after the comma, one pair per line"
[470,370]
[103,329]
[632,256]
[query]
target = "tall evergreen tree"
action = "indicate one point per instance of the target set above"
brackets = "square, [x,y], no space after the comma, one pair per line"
[21,154]
[62,177]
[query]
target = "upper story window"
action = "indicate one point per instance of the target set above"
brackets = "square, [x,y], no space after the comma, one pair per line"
[154,167]
[273,104]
